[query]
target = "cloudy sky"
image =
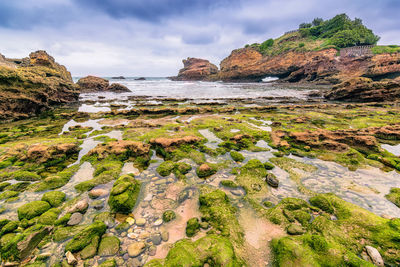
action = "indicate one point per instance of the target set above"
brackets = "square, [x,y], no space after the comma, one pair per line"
[151,37]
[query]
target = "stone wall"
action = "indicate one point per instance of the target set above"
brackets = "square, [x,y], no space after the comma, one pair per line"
[356,51]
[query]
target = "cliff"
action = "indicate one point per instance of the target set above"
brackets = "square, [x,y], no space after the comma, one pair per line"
[33,84]
[196,69]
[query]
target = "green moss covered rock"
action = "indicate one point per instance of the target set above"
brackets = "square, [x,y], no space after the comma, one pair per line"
[206,169]
[394,196]
[211,249]
[178,168]
[322,202]
[109,246]
[192,227]
[124,193]
[54,198]
[236,156]
[168,216]
[85,237]
[228,183]
[49,217]
[33,209]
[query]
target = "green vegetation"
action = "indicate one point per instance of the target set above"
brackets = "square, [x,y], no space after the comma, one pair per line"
[337,32]
[54,198]
[212,249]
[32,209]
[383,49]
[168,215]
[326,242]
[178,168]
[84,238]
[394,196]
[124,194]
[236,156]
[192,227]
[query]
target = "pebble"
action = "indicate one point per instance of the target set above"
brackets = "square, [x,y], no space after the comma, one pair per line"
[75,219]
[140,221]
[152,250]
[130,220]
[149,197]
[99,192]
[375,256]
[136,249]
[81,206]
[144,235]
[156,239]
[132,235]
[158,222]
[164,236]
[71,260]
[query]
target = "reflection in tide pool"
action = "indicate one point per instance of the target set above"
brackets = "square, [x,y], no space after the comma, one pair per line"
[364,187]
[395,150]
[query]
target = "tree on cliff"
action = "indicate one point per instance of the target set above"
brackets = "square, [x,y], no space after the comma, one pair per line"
[341,31]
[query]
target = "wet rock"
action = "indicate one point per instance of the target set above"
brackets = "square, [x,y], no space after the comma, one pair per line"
[256,187]
[71,260]
[32,209]
[99,192]
[170,144]
[136,249]
[54,198]
[156,239]
[124,194]
[130,220]
[158,222]
[206,169]
[81,206]
[28,244]
[192,227]
[118,88]
[98,204]
[152,250]
[295,229]
[85,237]
[109,246]
[92,84]
[164,236]
[375,256]
[168,215]
[75,219]
[140,221]
[272,180]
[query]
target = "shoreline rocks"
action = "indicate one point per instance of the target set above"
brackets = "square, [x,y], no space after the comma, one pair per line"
[196,69]
[90,84]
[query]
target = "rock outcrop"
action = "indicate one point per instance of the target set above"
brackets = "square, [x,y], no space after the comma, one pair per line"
[31,85]
[196,69]
[91,84]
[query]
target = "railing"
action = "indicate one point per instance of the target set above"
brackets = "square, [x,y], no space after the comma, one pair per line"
[356,51]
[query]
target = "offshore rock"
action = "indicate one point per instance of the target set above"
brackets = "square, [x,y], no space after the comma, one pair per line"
[92,84]
[32,85]
[196,69]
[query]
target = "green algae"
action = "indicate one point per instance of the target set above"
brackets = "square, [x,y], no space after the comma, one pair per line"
[168,215]
[84,238]
[32,209]
[54,198]
[394,196]
[124,194]
[192,227]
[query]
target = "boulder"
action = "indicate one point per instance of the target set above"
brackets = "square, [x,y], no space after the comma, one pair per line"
[196,69]
[92,84]
[85,237]
[75,219]
[124,194]
[32,209]
[54,198]
[109,246]
[118,88]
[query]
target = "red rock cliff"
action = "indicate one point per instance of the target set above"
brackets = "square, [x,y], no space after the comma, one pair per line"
[196,69]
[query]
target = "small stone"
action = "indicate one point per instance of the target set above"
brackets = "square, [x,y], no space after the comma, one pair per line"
[75,219]
[81,206]
[272,180]
[71,260]
[204,225]
[256,187]
[375,256]
[140,221]
[132,235]
[144,235]
[158,222]
[156,239]
[136,249]
[152,250]
[164,236]
[295,229]
[98,204]
[149,197]
[99,192]
[130,220]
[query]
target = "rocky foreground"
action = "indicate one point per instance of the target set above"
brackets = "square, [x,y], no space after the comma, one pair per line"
[202,186]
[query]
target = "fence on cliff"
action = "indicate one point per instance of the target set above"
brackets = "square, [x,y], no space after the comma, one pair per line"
[357,51]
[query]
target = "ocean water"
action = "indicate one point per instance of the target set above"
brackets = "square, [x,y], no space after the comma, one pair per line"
[155,88]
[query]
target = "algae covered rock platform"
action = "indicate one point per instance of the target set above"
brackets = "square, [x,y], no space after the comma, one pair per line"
[202,185]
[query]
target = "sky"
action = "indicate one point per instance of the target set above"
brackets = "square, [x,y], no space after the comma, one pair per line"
[151,37]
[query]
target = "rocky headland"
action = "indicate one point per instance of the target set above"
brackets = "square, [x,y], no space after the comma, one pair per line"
[32,85]
[309,55]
